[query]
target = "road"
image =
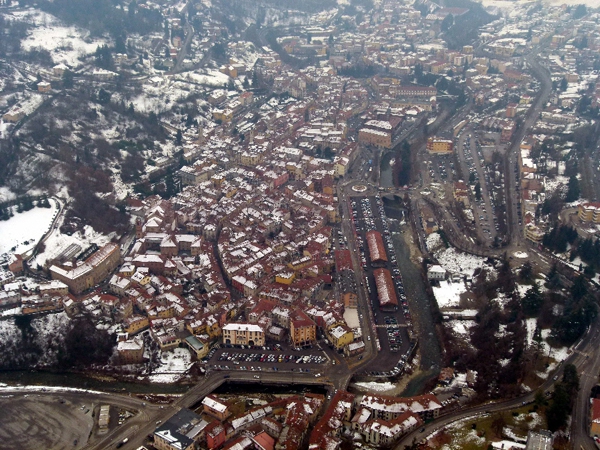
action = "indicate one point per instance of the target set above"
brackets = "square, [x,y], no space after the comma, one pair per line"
[138,431]
[511,159]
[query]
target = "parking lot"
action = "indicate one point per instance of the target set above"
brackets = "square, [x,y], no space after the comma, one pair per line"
[368,214]
[258,360]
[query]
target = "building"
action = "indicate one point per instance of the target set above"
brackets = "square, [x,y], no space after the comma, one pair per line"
[388,301]
[389,408]
[376,248]
[303,330]
[595,417]
[378,138]
[131,351]
[440,146]
[329,428]
[44,86]
[589,212]
[383,432]
[534,233]
[243,334]
[215,407]
[95,269]
[340,336]
[350,300]
[436,272]
[181,432]
[539,440]
[197,347]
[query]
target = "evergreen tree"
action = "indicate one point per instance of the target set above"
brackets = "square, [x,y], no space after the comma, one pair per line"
[532,301]
[179,138]
[573,190]
[67,79]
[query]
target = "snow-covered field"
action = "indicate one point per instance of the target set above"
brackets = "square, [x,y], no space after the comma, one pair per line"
[66,44]
[457,262]
[23,231]
[448,293]
[173,366]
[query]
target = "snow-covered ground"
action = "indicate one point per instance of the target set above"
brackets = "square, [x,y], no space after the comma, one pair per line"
[448,293]
[23,231]
[375,386]
[174,365]
[351,317]
[434,242]
[459,263]
[57,242]
[462,327]
[66,44]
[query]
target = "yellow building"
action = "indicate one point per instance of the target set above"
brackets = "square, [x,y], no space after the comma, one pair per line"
[135,324]
[303,330]
[439,146]
[285,278]
[340,336]
[243,334]
[589,212]
[375,137]
[197,347]
[534,233]
[223,115]
[350,300]
[95,269]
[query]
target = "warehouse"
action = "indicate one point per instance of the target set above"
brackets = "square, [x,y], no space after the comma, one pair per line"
[388,301]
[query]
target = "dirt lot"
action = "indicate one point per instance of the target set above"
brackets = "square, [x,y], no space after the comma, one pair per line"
[36,421]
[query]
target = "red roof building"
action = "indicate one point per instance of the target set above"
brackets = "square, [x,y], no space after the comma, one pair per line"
[388,301]
[376,248]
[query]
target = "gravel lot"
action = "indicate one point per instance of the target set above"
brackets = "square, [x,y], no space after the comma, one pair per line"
[37,421]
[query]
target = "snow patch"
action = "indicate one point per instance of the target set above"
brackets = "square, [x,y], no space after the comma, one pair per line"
[22,232]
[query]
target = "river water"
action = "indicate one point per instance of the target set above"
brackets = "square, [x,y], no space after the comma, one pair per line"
[418,300]
[75,380]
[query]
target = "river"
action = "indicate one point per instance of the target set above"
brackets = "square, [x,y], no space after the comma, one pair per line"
[418,300]
[76,380]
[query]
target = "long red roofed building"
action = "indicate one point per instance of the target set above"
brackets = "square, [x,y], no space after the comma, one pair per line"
[388,301]
[376,248]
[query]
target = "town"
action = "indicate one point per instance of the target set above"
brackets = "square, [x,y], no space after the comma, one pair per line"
[336,224]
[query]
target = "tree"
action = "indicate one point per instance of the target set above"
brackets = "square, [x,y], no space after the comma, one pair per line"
[189,121]
[532,301]
[85,344]
[120,44]
[558,411]
[580,11]
[131,10]
[103,97]
[103,57]
[564,84]
[131,110]
[526,271]
[67,79]
[447,22]
[179,138]
[573,190]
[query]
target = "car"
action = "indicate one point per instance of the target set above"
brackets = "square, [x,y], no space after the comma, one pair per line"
[257,376]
